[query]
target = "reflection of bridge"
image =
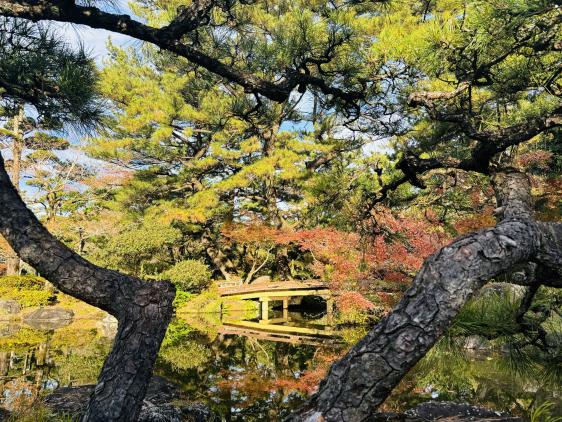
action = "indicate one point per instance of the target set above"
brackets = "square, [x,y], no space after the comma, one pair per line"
[277,291]
[279,333]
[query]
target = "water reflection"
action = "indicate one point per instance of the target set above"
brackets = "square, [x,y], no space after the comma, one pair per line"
[314,329]
[34,361]
[250,369]
[247,369]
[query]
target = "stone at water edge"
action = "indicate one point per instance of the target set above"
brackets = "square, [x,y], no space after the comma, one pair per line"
[158,406]
[476,343]
[452,411]
[108,326]
[49,318]
[9,307]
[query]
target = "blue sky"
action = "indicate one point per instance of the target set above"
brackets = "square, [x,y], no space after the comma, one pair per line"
[95,40]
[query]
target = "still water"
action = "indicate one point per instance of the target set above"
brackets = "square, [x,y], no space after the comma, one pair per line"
[247,370]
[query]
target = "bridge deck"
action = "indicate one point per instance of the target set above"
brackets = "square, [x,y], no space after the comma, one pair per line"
[284,337]
[288,288]
[278,337]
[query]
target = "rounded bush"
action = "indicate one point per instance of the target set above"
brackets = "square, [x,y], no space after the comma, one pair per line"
[189,275]
[27,290]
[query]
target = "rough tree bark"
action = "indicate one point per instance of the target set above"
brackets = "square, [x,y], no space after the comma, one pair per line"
[143,309]
[358,383]
[12,258]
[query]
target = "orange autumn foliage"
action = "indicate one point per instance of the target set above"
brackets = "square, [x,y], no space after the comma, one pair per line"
[476,222]
[350,262]
[307,383]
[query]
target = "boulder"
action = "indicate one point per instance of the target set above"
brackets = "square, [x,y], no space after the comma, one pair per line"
[452,412]
[108,326]
[8,329]
[199,412]
[158,406]
[49,318]
[476,343]
[9,307]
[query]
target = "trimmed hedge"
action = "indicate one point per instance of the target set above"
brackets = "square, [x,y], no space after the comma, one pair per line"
[189,275]
[27,290]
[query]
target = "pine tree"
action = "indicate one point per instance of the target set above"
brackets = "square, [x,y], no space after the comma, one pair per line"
[40,75]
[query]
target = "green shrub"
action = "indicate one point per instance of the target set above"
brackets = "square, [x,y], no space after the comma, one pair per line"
[185,356]
[31,282]
[208,301]
[189,275]
[182,298]
[27,290]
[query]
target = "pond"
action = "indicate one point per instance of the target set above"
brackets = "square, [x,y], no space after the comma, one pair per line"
[252,370]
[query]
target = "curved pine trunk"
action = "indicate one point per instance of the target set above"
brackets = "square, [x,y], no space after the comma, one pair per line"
[358,383]
[143,309]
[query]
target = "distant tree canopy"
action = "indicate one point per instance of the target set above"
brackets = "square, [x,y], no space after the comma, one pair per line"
[44,84]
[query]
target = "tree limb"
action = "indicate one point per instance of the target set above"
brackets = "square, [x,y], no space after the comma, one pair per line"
[143,309]
[358,383]
[168,38]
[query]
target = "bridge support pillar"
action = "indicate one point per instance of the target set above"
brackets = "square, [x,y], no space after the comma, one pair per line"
[285,308]
[264,308]
[329,309]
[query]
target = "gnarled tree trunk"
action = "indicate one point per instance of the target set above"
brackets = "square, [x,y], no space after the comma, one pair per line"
[143,309]
[358,383]
[13,263]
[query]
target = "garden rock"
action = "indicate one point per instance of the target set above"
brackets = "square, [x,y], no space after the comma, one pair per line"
[9,307]
[49,318]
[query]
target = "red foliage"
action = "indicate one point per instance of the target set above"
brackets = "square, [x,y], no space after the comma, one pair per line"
[256,384]
[538,159]
[402,245]
[346,260]
[308,381]
[353,301]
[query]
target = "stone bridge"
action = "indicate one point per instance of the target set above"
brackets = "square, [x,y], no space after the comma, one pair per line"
[277,291]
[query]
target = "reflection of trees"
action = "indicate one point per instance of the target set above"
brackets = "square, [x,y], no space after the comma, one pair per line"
[32,360]
[496,380]
[241,373]
[185,356]
[82,365]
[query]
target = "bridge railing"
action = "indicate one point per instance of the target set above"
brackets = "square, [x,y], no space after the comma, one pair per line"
[229,283]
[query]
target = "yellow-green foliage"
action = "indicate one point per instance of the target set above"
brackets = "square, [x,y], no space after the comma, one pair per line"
[180,349]
[189,275]
[38,412]
[184,356]
[353,317]
[243,309]
[207,323]
[82,365]
[205,143]
[209,301]
[23,339]
[138,248]
[27,290]
[351,335]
